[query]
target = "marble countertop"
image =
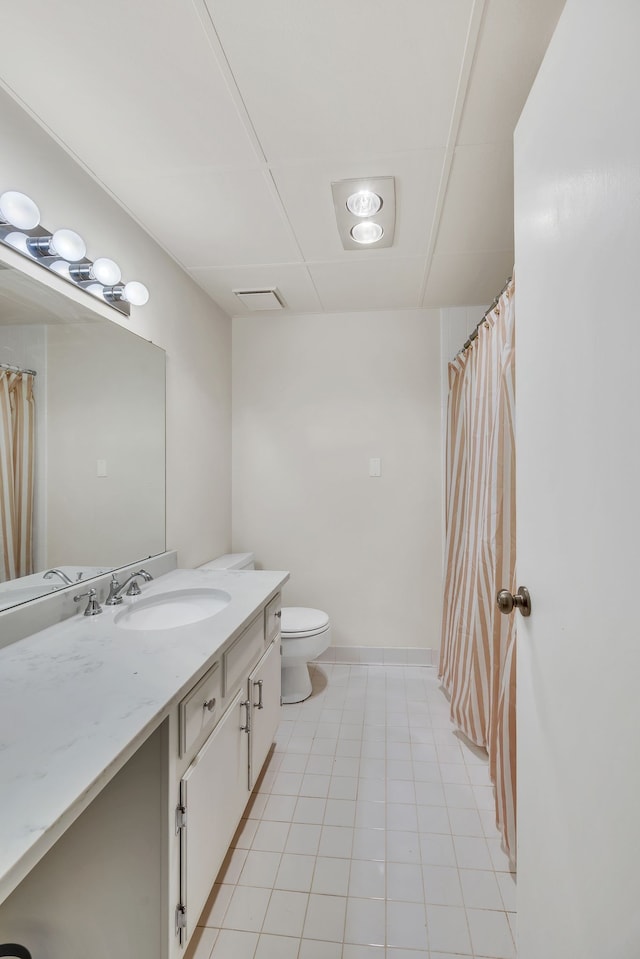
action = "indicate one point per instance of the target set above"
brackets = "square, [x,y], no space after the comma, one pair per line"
[78,698]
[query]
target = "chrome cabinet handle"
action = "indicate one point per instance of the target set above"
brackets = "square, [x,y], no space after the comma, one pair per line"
[210,704]
[247,726]
[507,602]
[278,614]
[259,704]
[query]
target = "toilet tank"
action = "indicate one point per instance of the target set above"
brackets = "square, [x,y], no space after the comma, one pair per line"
[231,561]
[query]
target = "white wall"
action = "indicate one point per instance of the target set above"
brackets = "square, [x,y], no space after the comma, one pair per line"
[179,317]
[314,397]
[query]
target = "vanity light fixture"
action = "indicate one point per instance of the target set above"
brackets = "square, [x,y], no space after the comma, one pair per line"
[103,270]
[132,292]
[356,203]
[18,209]
[63,252]
[63,243]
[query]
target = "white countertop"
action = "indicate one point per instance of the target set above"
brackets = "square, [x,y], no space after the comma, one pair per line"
[78,698]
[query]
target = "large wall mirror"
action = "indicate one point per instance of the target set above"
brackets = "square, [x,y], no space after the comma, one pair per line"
[98,450]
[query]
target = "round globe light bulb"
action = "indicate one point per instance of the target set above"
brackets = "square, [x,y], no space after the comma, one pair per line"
[106,271]
[61,267]
[367,232]
[68,244]
[19,210]
[18,241]
[364,203]
[135,293]
[96,290]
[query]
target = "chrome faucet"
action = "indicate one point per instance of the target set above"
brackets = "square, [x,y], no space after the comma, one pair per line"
[58,572]
[116,588]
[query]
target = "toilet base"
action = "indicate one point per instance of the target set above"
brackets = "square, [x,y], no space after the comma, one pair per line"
[296,683]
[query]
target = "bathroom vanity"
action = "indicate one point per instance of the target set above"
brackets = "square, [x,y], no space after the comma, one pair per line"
[127,757]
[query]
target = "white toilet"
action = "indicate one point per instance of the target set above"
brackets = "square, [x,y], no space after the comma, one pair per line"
[305,634]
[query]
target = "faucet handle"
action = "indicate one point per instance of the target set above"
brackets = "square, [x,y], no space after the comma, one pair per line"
[93,606]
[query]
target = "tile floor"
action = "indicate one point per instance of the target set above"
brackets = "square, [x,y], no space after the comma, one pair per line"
[369,836]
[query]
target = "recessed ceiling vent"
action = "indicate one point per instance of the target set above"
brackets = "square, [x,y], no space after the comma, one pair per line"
[256,300]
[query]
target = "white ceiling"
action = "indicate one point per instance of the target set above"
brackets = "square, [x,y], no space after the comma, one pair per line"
[233,118]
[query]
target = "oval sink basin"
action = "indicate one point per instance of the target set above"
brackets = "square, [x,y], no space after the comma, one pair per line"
[168,610]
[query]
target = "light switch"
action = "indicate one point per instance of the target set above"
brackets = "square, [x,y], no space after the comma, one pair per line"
[374,466]
[101,468]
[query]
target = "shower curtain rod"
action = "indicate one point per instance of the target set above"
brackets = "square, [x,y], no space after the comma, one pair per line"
[474,333]
[16,369]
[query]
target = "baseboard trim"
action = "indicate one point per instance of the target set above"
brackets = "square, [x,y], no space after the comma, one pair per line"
[380,656]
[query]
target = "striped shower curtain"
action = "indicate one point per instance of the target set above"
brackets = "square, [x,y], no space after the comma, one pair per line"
[17,443]
[477,654]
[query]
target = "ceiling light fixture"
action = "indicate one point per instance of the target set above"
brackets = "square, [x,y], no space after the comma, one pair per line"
[367,232]
[355,202]
[364,203]
[64,252]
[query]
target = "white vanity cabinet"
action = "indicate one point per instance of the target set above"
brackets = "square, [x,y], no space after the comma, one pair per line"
[215,788]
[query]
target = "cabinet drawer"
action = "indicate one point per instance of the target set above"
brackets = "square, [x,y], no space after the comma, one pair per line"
[241,655]
[200,709]
[272,617]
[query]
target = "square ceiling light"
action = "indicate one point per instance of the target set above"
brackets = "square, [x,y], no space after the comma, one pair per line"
[256,300]
[365,211]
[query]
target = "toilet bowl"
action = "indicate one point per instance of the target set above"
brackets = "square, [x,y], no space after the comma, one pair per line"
[305,634]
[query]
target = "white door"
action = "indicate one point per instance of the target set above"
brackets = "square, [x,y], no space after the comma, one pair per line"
[577,182]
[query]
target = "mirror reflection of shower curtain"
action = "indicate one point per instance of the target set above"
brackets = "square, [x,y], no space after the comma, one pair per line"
[477,654]
[17,448]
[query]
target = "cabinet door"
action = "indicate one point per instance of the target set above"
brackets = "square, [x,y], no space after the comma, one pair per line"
[264,693]
[213,792]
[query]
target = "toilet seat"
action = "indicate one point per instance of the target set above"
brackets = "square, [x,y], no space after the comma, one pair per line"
[299,622]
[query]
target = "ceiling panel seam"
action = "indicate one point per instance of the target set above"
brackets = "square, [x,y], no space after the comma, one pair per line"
[219,53]
[89,171]
[468,57]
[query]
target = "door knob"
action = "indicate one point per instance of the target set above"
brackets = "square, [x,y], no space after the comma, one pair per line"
[507,602]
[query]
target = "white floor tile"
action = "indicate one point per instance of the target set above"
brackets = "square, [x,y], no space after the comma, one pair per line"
[309,810]
[490,934]
[277,947]
[437,849]
[365,922]
[295,873]
[217,904]
[362,952]
[260,868]
[404,882]
[472,853]
[279,808]
[285,914]
[247,909]
[240,945]
[303,839]
[202,943]
[313,949]
[508,889]
[406,925]
[480,889]
[465,822]
[325,918]
[448,930]
[442,886]
[271,836]
[336,841]
[367,879]
[369,844]
[331,876]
